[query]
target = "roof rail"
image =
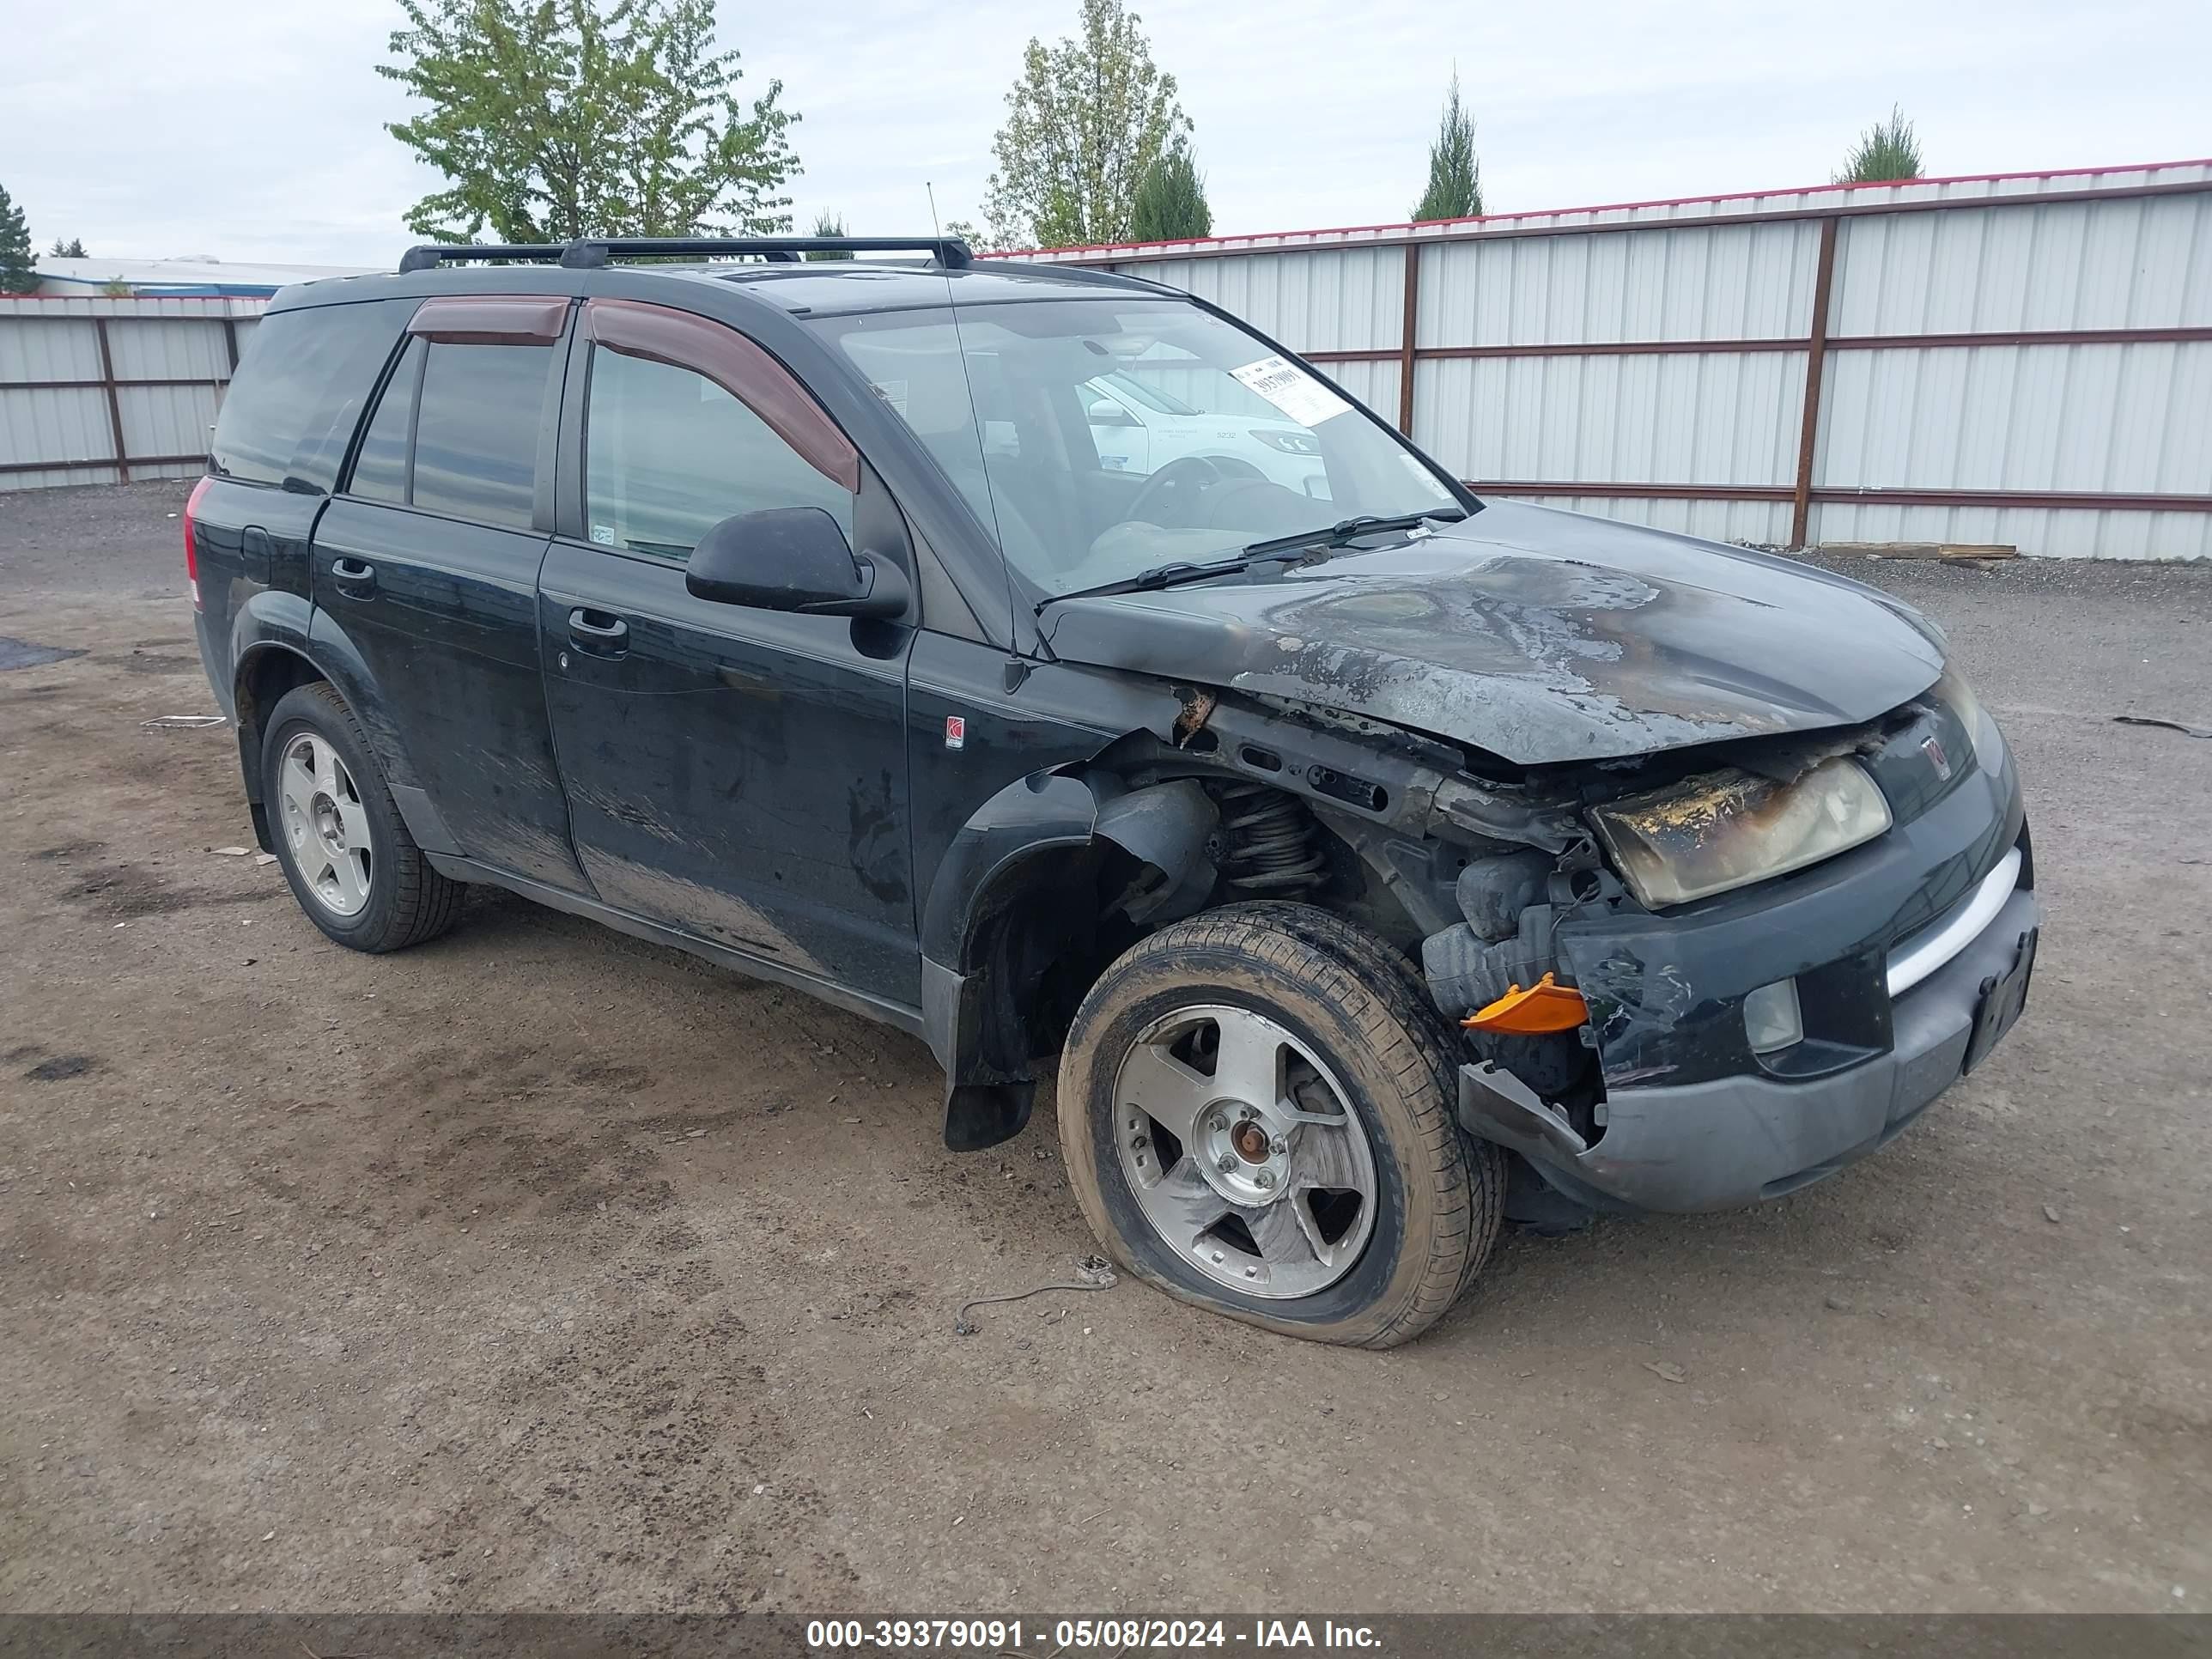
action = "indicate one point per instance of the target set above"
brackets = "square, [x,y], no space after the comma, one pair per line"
[589,252]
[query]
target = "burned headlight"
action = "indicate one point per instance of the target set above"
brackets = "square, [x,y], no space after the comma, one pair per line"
[1728,828]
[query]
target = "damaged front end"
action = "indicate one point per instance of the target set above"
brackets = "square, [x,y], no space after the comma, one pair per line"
[1735,935]
[1686,979]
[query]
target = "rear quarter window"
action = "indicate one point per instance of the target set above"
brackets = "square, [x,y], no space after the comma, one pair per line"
[300,384]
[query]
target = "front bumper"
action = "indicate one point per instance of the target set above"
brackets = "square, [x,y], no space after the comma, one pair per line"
[1728,1142]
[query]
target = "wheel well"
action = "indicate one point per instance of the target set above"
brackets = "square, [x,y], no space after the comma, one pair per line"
[1052,924]
[1041,943]
[263,682]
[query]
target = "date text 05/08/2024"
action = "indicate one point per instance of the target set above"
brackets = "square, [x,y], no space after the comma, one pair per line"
[1077,1635]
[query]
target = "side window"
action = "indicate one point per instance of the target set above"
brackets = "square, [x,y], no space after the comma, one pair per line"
[476,432]
[668,453]
[379,472]
[288,415]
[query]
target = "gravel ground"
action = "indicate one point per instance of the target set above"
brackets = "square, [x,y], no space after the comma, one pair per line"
[539,1267]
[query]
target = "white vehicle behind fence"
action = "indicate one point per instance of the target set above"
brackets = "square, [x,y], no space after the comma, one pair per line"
[1139,428]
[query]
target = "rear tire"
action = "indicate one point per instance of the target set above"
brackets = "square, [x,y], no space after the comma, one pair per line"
[339,838]
[1357,1057]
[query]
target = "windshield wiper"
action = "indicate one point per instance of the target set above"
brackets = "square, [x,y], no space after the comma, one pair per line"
[1348,529]
[1335,534]
[1162,575]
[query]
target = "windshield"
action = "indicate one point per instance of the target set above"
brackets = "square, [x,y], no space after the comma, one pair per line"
[1049,416]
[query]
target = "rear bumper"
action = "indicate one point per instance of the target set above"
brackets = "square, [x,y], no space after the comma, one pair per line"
[1728,1142]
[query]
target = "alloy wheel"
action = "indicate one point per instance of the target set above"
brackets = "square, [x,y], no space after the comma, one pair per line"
[325,825]
[1241,1150]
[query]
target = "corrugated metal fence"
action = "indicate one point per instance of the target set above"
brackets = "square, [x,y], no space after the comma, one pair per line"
[2021,359]
[2024,358]
[100,391]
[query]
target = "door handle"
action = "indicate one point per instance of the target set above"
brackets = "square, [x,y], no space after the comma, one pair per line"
[601,633]
[355,578]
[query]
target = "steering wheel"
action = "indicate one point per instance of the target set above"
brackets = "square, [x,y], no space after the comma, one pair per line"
[1191,472]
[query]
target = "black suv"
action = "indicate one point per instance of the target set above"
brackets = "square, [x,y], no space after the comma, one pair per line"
[1041,661]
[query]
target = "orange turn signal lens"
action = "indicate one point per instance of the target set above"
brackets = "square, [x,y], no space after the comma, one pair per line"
[1543,1008]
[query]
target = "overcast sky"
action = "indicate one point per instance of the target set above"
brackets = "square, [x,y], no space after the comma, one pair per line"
[254,129]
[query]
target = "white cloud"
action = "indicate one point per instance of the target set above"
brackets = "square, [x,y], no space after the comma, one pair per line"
[254,128]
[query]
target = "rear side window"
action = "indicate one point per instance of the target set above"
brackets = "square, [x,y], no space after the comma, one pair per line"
[475,431]
[302,381]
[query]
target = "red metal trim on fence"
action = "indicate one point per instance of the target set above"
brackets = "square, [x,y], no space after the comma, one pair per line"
[1831,495]
[1408,335]
[1203,246]
[1816,351]
[96,386]
[1798,342]
[114,401]
[103,460]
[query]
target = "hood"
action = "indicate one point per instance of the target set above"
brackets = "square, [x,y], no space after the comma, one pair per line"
[1536,634]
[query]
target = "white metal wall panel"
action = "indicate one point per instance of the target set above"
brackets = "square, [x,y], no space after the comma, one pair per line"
[1714,417]
[1733,282]
[56,347]
[2141,262]
[1330,302]
[165,420]
[2135,418]
[52,424]
[169,348]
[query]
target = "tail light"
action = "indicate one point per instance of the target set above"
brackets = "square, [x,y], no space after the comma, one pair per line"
[192,553]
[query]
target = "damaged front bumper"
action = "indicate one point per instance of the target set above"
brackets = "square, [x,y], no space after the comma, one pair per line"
[1909,958]
[1729,1142]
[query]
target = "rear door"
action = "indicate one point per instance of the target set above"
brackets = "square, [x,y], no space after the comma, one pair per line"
[737,774]
[286,421]
[425,567]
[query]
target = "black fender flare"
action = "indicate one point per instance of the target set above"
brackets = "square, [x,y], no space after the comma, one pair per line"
[293,629]
[970,1019]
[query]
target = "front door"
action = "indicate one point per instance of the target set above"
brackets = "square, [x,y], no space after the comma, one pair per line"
[739,774]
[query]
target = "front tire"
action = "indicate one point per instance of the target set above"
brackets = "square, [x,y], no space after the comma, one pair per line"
[1255,1106]
[339,838]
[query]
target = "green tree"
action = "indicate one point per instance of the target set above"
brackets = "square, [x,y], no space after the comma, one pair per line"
[1455,189]
[72,249]
[19,270]
[829,224]
[556,118]
[1086,120]
[979,241]
[1170,203]
[1886,151]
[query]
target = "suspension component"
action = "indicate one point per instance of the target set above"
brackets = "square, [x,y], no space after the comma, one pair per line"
[1269,842]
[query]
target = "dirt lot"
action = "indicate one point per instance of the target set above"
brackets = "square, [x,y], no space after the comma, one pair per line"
[541,1269]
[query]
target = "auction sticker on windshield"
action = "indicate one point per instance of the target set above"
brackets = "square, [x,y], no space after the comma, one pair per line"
[1292,390]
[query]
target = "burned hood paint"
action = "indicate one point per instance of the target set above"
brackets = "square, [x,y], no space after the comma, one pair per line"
[1537,634]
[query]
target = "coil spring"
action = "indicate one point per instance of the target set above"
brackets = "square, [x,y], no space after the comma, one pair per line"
[1268,841]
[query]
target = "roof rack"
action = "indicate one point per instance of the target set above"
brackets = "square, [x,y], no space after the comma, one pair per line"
[589,252]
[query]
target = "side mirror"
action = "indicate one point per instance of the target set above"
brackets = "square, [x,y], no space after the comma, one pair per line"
[792,558]
[1106,412]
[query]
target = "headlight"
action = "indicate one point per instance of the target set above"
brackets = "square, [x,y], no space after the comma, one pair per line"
[1728,828]
[1981,731]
